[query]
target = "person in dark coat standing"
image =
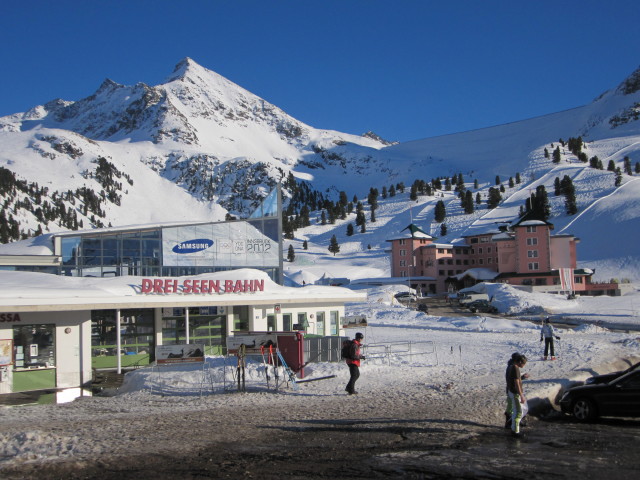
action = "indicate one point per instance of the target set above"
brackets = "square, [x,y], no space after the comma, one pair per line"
[353,363]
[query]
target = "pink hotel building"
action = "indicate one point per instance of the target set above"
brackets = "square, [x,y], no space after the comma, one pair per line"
[525,254]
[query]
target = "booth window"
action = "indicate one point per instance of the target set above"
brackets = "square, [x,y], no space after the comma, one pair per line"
[333,322]
[287,324]
[34,346]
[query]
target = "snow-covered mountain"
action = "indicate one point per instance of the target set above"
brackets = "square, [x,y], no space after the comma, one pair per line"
[199,147]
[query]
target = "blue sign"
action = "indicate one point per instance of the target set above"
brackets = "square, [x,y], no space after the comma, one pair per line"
[193,246]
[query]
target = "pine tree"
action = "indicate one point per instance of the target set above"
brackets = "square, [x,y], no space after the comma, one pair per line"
[334,246]
[611,167]
[350,230]
[627,166]
[443,229]
[618,181]
[291,255]
[440,211]
[468,202]
[494,198]
[556,155]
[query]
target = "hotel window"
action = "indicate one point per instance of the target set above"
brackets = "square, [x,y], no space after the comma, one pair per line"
[480,250]
[403,253]
[403,263]
[403,273]
[534,266]
[488,249]
[403,242]
[480,261]
[532,241]
[531,229]
[489,260]
[484,240]
[532,253]
[440,272]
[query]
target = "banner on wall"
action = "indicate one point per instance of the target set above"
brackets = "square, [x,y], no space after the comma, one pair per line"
[6,352]
[228,244]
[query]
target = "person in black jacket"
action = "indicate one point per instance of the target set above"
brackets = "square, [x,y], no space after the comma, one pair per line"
[353,362]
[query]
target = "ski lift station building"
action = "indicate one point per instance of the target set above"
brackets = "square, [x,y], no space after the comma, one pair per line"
[72,302]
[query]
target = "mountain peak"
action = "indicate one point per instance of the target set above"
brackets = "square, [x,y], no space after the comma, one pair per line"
[187,67]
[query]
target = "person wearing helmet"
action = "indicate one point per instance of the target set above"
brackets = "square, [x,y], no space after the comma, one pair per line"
[548,334]
[353,362]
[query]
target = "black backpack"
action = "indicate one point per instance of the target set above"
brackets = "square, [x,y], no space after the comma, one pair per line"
[347,350]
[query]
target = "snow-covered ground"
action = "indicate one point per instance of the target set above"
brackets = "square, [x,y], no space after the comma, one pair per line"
[413,359]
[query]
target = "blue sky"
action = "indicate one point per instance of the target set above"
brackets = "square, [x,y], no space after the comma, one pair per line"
[405,69]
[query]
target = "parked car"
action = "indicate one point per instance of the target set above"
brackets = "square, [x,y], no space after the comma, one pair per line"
[405,296]
[472,297]
[482,306]
[618,398]
[422,307]
[608,377]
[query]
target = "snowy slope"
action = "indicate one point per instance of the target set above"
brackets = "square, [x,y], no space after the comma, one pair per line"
[199,146]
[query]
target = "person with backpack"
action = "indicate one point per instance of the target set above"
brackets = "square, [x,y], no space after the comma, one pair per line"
[353,357]
[548,334]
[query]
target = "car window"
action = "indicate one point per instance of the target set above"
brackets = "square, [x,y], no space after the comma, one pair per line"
[632,381]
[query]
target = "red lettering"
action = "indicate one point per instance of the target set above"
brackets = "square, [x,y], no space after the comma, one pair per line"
[186,286]
[196,286]
[228,286]
[214,286]
[204,286]
[258,285]
[170,286]
[146,285]
[158,286]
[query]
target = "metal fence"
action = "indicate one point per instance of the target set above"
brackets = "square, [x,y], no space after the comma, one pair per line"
[323,349]
[327,349]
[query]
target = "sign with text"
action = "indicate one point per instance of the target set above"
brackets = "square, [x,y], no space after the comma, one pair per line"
[200,286]
[227,244]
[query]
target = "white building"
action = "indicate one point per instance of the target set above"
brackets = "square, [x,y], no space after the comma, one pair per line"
[54,330]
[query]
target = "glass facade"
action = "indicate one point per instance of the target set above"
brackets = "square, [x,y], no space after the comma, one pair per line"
[175,251]
[206,327]
[136,338]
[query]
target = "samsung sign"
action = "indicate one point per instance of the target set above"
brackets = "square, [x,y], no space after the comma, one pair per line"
[192,246]
[223,245]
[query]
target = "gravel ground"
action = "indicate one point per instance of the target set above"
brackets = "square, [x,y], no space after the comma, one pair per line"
[416,433]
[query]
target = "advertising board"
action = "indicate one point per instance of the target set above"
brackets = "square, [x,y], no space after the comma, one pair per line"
[185,353]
